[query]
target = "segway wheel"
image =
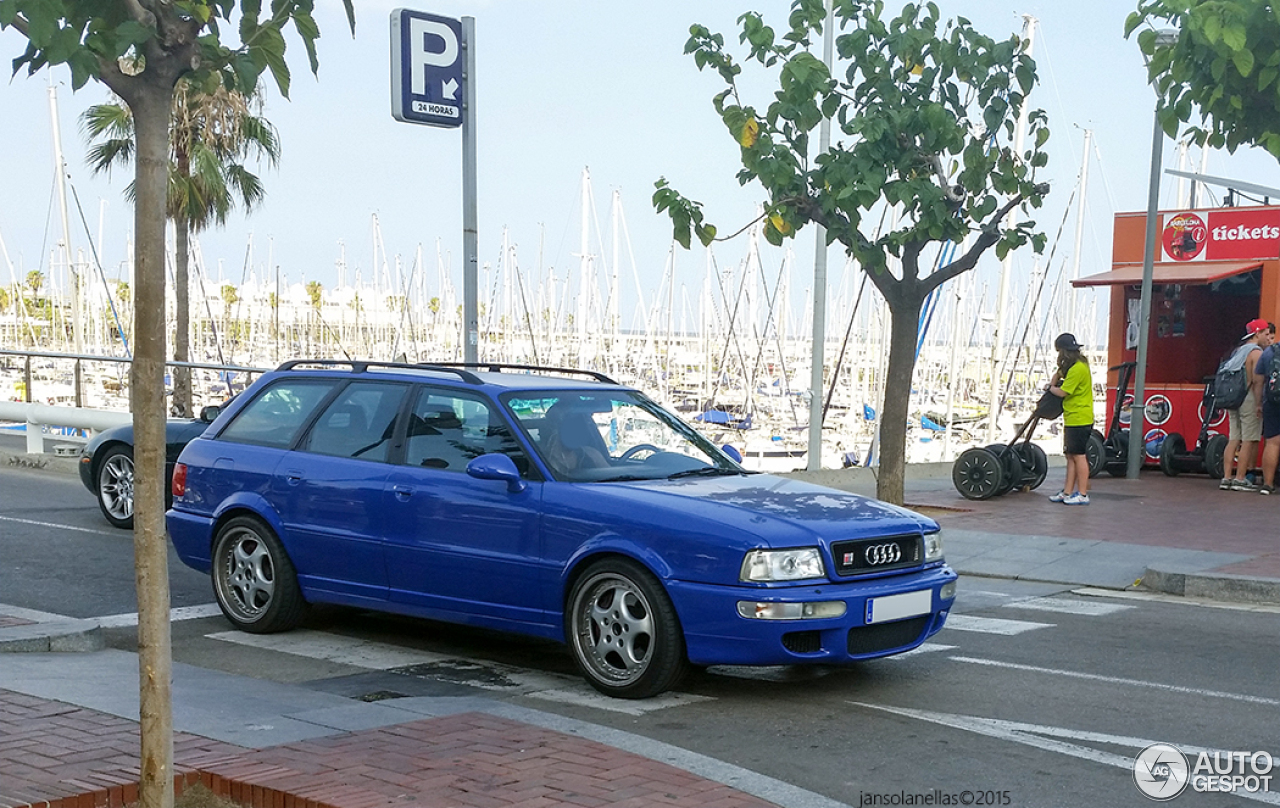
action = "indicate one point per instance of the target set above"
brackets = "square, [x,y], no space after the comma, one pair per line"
[1095,453]
[1213,460]
[1010,467]
[1035,464]
[977,474]
[1173,446]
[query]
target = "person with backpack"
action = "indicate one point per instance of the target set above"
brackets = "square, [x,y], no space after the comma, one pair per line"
[1268,368]
[1073,383]
[1238,390]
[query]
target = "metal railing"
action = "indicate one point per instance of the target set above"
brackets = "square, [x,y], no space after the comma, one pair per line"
[37,416]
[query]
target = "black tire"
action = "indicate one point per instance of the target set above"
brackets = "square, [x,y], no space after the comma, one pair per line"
[623,631]
[1095,452]
[1035,464]
[254,581]
[1010,467]
[1213,460]
[1173,445]
[115,486]
[977,474]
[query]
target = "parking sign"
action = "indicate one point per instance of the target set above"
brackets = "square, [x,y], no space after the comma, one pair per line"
[426,68]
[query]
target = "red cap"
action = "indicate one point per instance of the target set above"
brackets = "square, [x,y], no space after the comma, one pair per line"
[1255,327]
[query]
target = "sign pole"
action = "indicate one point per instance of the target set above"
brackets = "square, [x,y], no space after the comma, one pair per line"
[470,241]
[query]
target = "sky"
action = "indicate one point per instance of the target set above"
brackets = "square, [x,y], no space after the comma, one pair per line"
[563,86]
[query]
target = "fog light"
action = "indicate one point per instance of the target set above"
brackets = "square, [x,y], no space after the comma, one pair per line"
[792,611]
[948,591]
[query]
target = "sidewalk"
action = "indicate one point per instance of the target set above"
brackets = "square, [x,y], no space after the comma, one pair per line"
[68,735]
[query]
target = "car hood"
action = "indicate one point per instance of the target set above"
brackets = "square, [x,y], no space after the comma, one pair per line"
[778,511]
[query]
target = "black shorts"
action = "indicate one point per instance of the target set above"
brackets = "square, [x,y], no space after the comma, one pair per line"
[1270,420]
[1075,439]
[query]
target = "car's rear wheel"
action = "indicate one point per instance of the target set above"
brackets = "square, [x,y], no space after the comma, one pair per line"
[115,486]
[253,579]
[623,631]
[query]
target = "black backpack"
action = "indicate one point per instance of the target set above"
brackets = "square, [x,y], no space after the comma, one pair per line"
[1231,386]
[1271,388]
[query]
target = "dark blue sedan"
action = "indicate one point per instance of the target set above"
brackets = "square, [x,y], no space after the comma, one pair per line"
[544,504]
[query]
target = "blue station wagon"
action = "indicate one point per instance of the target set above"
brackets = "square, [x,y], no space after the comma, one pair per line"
[550,503]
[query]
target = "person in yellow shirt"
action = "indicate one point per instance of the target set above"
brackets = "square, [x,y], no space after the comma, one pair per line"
[1074,384]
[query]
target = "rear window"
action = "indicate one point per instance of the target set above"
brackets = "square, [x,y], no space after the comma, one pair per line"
[278,413]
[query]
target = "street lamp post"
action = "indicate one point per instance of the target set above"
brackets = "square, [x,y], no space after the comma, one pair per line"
[1137,411]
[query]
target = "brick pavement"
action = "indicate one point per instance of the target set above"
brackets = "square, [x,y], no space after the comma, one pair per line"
[62,756]
[1186,512]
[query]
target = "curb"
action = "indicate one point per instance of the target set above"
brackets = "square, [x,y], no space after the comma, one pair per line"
[56,464]
[1225,587]
[65,636]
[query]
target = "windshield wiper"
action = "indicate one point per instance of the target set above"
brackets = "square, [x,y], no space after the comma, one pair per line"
[705,471]
[623,478]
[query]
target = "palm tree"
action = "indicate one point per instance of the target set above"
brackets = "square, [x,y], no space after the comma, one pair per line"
[314,291]
[212,133]
[35,279]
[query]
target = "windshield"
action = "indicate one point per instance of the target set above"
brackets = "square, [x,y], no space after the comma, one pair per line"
[612,436]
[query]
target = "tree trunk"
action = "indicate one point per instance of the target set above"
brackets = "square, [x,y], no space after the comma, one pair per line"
[182,398]
[904,308]
[150,105]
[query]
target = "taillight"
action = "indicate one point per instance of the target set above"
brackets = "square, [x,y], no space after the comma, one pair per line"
[179,479]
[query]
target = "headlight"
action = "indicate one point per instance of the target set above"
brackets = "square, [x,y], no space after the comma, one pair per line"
[783,565]
[933,546]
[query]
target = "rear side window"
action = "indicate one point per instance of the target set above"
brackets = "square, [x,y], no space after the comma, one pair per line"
[277,414]
[359,423]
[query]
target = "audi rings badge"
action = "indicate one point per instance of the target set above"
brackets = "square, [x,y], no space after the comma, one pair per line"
[881,554]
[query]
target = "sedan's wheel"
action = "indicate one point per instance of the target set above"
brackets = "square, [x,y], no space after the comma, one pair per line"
[254,580]
[115,486]
[623,631]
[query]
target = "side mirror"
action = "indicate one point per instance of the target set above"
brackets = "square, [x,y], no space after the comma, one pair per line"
[497,466]
[210,413]
[732,451]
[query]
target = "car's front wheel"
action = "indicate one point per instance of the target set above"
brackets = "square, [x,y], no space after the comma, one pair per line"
[253,579]
[623,631]
[115,486]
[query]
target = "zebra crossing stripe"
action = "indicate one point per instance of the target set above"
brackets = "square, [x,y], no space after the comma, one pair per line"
[991,625]
[1086,608]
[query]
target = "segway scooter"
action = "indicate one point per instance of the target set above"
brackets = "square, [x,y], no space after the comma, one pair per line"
[1111,451]
[983,472]
[1206,457]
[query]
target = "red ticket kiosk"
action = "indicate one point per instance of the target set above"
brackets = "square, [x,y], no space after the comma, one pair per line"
[1215,270]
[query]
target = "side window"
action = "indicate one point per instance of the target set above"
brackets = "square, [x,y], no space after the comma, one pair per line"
[359,423]
[448,430]
[276,415]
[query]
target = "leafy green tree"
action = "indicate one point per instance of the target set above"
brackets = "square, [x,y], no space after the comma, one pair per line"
[315,291]
[1223,69]
[140,49]
[925,113]
[4,299]
[212,135]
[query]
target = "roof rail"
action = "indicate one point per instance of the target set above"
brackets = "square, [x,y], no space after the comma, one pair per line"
[363,365]
[498,367]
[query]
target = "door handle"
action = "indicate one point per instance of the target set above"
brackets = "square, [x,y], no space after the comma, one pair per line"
[402,492]
[294,477]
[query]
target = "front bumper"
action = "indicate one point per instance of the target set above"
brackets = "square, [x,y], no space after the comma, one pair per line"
[716,634]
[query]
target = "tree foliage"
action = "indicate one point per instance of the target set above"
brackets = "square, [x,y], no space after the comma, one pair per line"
[925,113]
[1223,69]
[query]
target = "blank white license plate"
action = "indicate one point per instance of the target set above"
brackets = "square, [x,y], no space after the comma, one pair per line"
[896,607]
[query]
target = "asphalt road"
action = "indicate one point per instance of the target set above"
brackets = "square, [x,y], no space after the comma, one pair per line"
[1034,695]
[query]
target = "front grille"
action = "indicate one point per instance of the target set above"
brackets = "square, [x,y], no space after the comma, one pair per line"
[802,642]
[886,636]
[877,555]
